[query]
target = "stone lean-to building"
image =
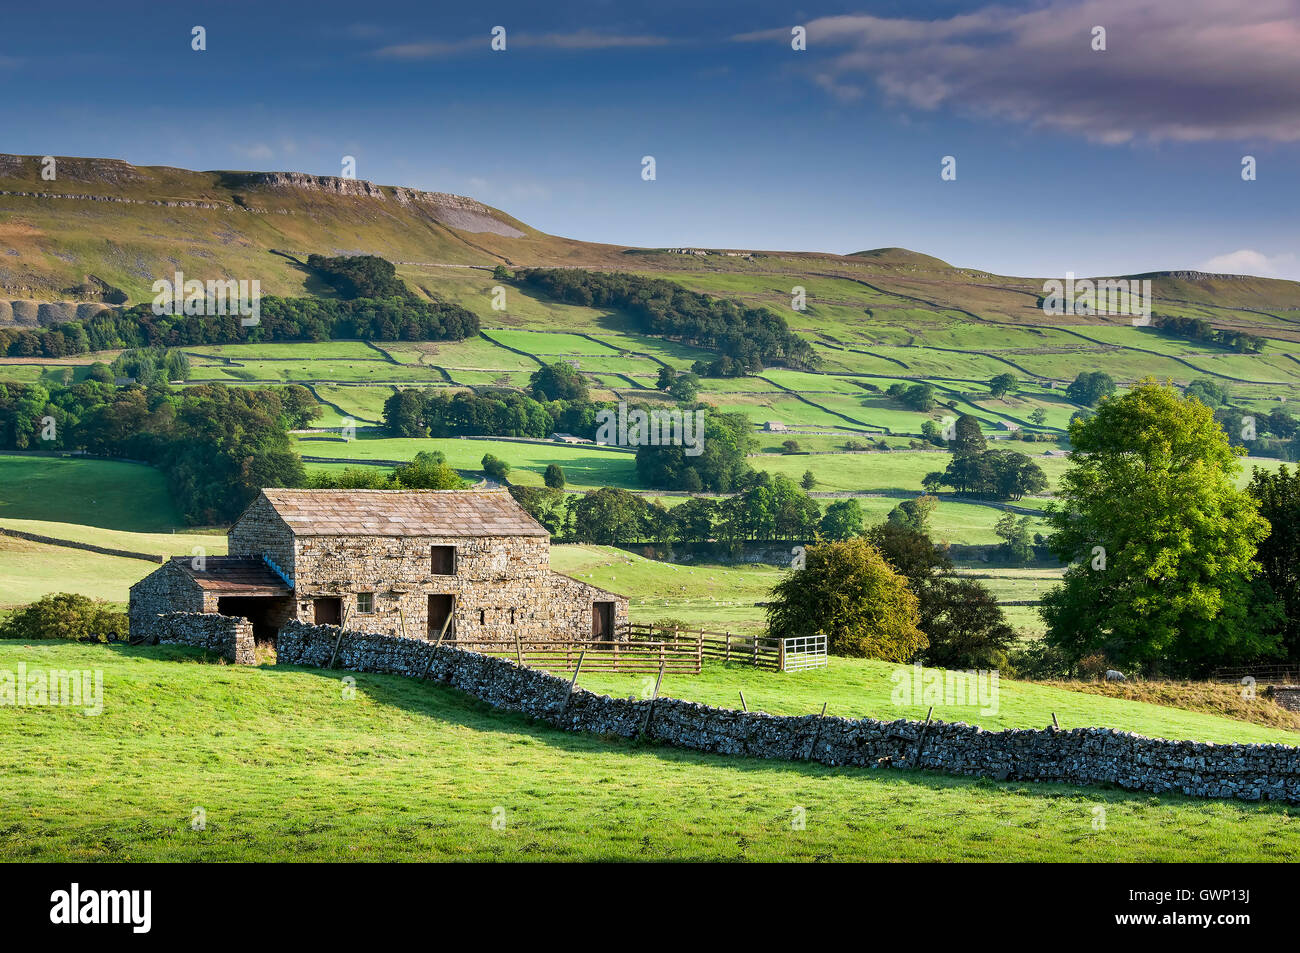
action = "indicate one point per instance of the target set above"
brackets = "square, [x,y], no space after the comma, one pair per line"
[392,562]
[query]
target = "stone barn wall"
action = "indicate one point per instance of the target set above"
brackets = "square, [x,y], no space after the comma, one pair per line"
[227,636]
[1080,756]
[168,589]
[259,531]
[571,600]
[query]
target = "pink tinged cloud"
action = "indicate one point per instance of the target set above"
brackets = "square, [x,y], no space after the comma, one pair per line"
[1191,70]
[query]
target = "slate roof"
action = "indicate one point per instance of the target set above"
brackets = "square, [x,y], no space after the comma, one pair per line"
[402,513]
[235,576]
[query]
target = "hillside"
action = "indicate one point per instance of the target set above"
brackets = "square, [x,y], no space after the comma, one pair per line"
[104,225]
[418,771]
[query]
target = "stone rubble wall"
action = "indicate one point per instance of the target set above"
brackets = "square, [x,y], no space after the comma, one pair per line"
[228,636]
[1080,756]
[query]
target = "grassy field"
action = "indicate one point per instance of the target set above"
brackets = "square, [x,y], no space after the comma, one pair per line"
[857,688]
[126,496]
[287,767]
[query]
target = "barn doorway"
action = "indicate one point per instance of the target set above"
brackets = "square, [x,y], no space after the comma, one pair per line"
[442,611]
[268,614]
[327,611]
[602,621]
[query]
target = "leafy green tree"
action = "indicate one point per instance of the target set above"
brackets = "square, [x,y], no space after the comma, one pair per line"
[914,514]
[790,446]
[1017,546]
[808,481]
[684,388]
[1039,416]
[609,517]
[559,381]
[666,376]
[1278,497]
[501,273]
[495,467]
[1003,384]
[428,471]
[843,519]
[1210,393]
[554,476]
[1089,387]
[848,591]
[967,440]
[546,505]
[1160,540]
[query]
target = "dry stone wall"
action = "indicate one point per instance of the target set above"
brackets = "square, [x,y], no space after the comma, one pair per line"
[227,636]
[1078,756]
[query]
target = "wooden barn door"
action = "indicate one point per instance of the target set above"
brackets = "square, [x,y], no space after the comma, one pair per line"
[442,608]
[327,611]
[602,620]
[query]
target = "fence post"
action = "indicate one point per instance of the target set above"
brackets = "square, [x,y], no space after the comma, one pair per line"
[651,710]
[519,649]
[433,652]
[920,742]
[334,654]
[743,706]
[780,658]
[817,734]
[728,645]
[573,681]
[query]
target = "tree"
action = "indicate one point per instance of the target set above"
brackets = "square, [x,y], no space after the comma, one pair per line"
[1014,533]
[843,519]
[559,381]
[1278,497]
[848,591]
[1039,416]
[1089,387]
[501,273]
[809,480]
[684,388]
[914,514]
[1210,393]
[1003,384]
[428,471]
[1160,539]
[667,375]
[919,397]
[965,625]
[790,446]
[960,617]
[554,476]
[495,467]
[967,440]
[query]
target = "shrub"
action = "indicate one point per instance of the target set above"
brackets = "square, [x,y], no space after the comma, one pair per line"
[66,615]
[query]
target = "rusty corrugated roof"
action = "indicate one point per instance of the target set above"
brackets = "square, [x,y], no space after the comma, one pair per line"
[236,575]
[402,513]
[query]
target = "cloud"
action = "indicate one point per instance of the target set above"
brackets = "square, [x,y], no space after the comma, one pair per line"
[1247,261]
[1196,70]
[257,150]
[578,40]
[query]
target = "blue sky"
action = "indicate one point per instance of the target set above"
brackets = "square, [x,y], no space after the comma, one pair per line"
[1068,158]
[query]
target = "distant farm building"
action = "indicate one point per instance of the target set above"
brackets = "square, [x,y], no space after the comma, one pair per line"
[775,426]
[421,563]
[568,438]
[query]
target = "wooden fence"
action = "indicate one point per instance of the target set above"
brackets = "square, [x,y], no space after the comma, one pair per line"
[643,649]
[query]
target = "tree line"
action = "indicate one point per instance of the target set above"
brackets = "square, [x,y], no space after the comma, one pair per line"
[746,339]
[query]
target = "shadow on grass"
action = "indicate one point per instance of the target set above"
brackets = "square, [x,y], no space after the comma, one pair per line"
[436,700]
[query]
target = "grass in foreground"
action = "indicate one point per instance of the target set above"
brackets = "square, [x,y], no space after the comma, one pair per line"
[285,767]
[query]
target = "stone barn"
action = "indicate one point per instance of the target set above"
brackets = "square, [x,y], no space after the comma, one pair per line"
[465,564]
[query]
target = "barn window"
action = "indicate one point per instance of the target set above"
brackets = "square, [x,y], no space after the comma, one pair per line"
[442,560]
[365,602]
